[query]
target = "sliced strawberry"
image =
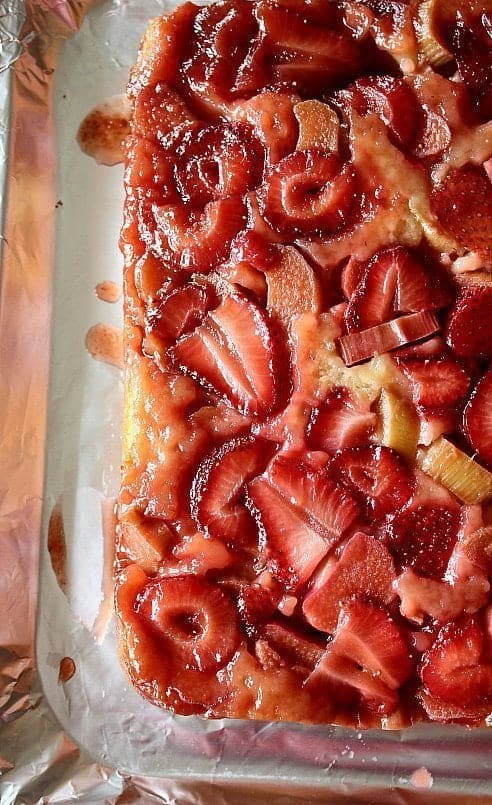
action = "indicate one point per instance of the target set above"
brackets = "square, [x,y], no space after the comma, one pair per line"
[344,420]
[150,169]
[368,653]
[295,43]
[453,669]
[439,710]
[217,493]
[202,239]
[364,570]
[158,110]
[463,205]
[271,116]
[423,538]
[303,514]
[477,418]
[182,310]
[468,332]
[193,617]
[308,193]
[395,281]
[215,162]
[254,249]
[376,475]
[352,275]
[436,383]
[293,644]
[233,353]
[470,44]
[256,605]
[394,102]
[360,346]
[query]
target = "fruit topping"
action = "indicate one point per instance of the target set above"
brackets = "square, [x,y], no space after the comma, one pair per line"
[454,670]
[233,353]
[344,420]
[467,331]
[199,554]
[292,286]
[477,418]
[441,600]
[308,193]
[271,116]
[318,126]
[193,617]
[399,424]
[463,205]
[430,45]
[360,346]
[296,646]
[181,311]
[302,514]
[376,476]
[394,102]
[395,281]
[218,490]
[423,538]
[364,571]
[456,471]
[436,383]
[368,654]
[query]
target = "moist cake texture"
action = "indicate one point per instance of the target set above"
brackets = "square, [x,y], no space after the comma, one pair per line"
[305,529]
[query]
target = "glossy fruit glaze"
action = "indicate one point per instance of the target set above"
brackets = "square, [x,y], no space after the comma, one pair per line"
[305,530]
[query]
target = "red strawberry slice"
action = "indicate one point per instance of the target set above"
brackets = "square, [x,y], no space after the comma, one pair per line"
[217,493]
[453,669]
[394,102]
[256,605]
[193,617]
[436,383]
[302,514]
[364,570]
[233,353]
[352,275]
[376,475]
[150,171]
[295,43]
[182,310]
[344,420]
[438,710]
[477,418]
[293,644]
[423,538]
[463,204]
[468,332]
[215,162]
[202,239]
[360,346]
[158,110]
[470,43]
[308,193]
[368,653]
[395,281]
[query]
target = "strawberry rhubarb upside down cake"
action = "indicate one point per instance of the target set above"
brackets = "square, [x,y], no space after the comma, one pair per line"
[305,518]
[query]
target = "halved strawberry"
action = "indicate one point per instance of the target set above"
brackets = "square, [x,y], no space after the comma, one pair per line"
[193,617]
[395,281]
[308,193]
[217,492]
[344,420]
[256,604]
[352,275]
[299,648]
[470,43]
[368,653]
[303,513]
[394,102]
[365,570]
[296,43]
[463,205]
[376,475]
[468,332]
[202,239]
[423,538]
[233,353]
[453,669]
[477,418]
[181,311]
[436,383]
[213,162]
[254,249]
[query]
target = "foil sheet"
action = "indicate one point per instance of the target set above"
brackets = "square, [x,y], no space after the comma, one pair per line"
[91,738]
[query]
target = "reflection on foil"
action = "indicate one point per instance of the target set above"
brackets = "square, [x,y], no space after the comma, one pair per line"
[122,749]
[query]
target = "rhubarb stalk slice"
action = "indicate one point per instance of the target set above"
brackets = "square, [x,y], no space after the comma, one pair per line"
[459,473]
[399,424]
[318,126]
[357,347]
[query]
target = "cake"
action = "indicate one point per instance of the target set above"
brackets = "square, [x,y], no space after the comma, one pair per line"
[304,526]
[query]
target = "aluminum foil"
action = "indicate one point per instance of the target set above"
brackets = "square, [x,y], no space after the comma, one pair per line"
[87,736]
